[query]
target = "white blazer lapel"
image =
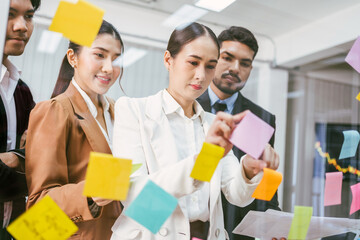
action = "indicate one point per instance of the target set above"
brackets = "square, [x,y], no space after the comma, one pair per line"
[159,132]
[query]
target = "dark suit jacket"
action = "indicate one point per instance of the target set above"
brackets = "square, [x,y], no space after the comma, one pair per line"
[233,214]
[13,184]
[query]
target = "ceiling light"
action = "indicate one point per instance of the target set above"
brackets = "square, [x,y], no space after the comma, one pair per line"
[130,57]
[49,42]
[184,16]
[214,5]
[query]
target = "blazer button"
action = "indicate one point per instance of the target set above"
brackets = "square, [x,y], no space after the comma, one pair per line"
[163,232]
[217,232]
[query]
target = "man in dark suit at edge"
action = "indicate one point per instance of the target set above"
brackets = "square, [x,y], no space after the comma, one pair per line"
[16,103]
[237,52]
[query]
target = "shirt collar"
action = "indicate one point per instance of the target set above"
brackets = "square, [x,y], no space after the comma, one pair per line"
[89,103]
[230,101]
[14,73]
[171,106]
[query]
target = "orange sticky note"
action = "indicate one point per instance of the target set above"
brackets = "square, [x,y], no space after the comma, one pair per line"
[44,220]
[207,161]
[358,97]
[78,22]
[107,177]
[268,185]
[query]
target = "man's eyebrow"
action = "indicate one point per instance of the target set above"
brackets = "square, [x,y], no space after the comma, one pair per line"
[28,11]
[233,56]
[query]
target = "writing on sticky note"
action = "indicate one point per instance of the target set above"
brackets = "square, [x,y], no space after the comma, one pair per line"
[107,177]
[135,167]
[207,161]
[333,186]
[268,185]
[355,203]
[152,207]
[300,223]
[78,22]
[251,135]
[353,57]
[350,144]
[44,220]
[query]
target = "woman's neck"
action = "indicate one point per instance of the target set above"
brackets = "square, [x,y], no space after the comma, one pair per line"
[186,105]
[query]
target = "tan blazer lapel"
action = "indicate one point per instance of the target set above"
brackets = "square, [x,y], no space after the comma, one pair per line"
[87,122]
[158,128]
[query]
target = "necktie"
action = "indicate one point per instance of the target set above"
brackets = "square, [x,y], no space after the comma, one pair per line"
[219,107]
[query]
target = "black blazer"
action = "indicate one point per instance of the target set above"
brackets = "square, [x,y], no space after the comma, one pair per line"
[12,184]
[233,214]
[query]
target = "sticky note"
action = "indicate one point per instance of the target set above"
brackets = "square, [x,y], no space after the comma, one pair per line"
[358,96]
[251,135]
[107,177]
[350,144]
[135,167]
[44,220]
[268,185]
[300,223]
[333,185]
[355,203]
[207,161]
[152,207]
[353,57]
[195,238]
[79,22]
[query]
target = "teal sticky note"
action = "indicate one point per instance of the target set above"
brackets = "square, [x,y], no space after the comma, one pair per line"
[350,144]
[300,223]
[152,207]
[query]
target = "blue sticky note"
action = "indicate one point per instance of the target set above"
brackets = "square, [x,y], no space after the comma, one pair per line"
[152,207]
[351,142]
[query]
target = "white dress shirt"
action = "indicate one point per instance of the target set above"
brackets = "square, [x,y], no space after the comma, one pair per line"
[189,137]
[92,108]
[8,80]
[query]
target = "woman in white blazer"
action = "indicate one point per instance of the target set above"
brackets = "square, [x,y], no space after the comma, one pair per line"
[165,132]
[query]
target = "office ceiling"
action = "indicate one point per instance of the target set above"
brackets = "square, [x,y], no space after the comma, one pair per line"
[268,17]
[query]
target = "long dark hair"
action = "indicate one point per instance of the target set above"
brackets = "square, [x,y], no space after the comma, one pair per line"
[182,36]
[66,72]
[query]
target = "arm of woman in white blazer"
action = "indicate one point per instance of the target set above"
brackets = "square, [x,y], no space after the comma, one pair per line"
[129,142]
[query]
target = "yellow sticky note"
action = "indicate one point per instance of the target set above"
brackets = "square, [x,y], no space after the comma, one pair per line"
[300,223]
[44,220]
[135,167]
[268,185]
[107,177]
[207,161]
[358,97]
[78,22]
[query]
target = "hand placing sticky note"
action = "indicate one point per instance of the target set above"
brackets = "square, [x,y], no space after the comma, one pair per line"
[300,223]
[268,185]
[207,161]
[353,57]
[251,135]
[44,220]
[350,144]
[152,207]
[78,22]
[333,185]
[107,177]
[355,203]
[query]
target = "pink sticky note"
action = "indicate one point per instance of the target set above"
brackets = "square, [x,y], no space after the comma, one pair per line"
[195,238]
[353,57]
[333,186]
[355,204]
[251,135]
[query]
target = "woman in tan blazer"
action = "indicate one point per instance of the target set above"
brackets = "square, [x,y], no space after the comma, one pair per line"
[63,131]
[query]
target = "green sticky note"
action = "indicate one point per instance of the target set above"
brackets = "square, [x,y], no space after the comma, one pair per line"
[300,223]
[152,207]
[135,167]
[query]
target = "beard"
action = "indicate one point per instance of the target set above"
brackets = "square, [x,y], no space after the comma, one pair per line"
[226,87]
